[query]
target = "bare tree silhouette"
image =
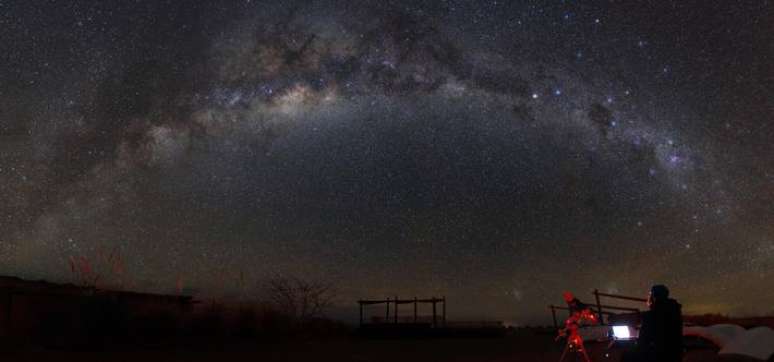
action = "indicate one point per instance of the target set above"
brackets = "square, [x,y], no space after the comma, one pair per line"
[300,299]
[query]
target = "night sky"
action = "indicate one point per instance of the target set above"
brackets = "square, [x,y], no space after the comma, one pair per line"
[494,152]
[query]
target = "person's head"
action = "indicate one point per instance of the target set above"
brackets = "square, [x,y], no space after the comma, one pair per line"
[658,293]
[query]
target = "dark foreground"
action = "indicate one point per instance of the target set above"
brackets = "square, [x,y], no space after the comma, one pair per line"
[515,347]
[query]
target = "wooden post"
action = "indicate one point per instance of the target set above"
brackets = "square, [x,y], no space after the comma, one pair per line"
[443,311]
[553,315]
[415,309]
[599,306]
[435,323]
[361,312]
[9,313]
[396,309]
[387,313]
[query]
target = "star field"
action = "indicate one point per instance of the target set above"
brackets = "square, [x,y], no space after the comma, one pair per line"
[494,152]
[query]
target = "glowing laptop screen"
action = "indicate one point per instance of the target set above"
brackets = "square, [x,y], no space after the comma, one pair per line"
[621,332]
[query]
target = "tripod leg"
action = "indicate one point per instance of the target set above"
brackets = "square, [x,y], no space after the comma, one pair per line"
[564,353]
[582,350]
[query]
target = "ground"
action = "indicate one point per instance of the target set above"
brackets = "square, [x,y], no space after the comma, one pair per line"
[519,347]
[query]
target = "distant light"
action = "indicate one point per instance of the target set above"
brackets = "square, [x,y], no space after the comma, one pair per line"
[534,96]
[621,332]
[558,92]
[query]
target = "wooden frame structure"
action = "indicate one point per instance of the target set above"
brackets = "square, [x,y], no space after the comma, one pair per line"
[602,309]
[397,301]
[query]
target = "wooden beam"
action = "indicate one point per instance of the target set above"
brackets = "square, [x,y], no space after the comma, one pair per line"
[567,309]
[387,313]
[444,310]
[599,307]
[435,322]
[627,309]
[396,309]
[622,297]
[400,301]
[9,313]
[415,309]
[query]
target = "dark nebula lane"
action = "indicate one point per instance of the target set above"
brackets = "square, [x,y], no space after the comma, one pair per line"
[493,152]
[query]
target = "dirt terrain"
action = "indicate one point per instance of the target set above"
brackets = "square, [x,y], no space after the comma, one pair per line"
[517,347]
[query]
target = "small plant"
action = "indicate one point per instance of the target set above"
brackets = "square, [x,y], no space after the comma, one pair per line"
[88,274]
[83,272]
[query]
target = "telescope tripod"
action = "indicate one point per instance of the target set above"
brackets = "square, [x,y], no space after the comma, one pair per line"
[575,345]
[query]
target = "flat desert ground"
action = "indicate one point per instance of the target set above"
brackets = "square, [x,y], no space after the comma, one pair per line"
[518,347]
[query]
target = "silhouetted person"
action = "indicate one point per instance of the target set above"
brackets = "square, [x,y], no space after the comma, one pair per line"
[661,332]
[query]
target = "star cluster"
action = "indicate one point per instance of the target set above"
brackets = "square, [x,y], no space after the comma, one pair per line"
[494,152]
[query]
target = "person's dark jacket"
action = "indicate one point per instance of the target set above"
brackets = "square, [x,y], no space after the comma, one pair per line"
[661,333]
